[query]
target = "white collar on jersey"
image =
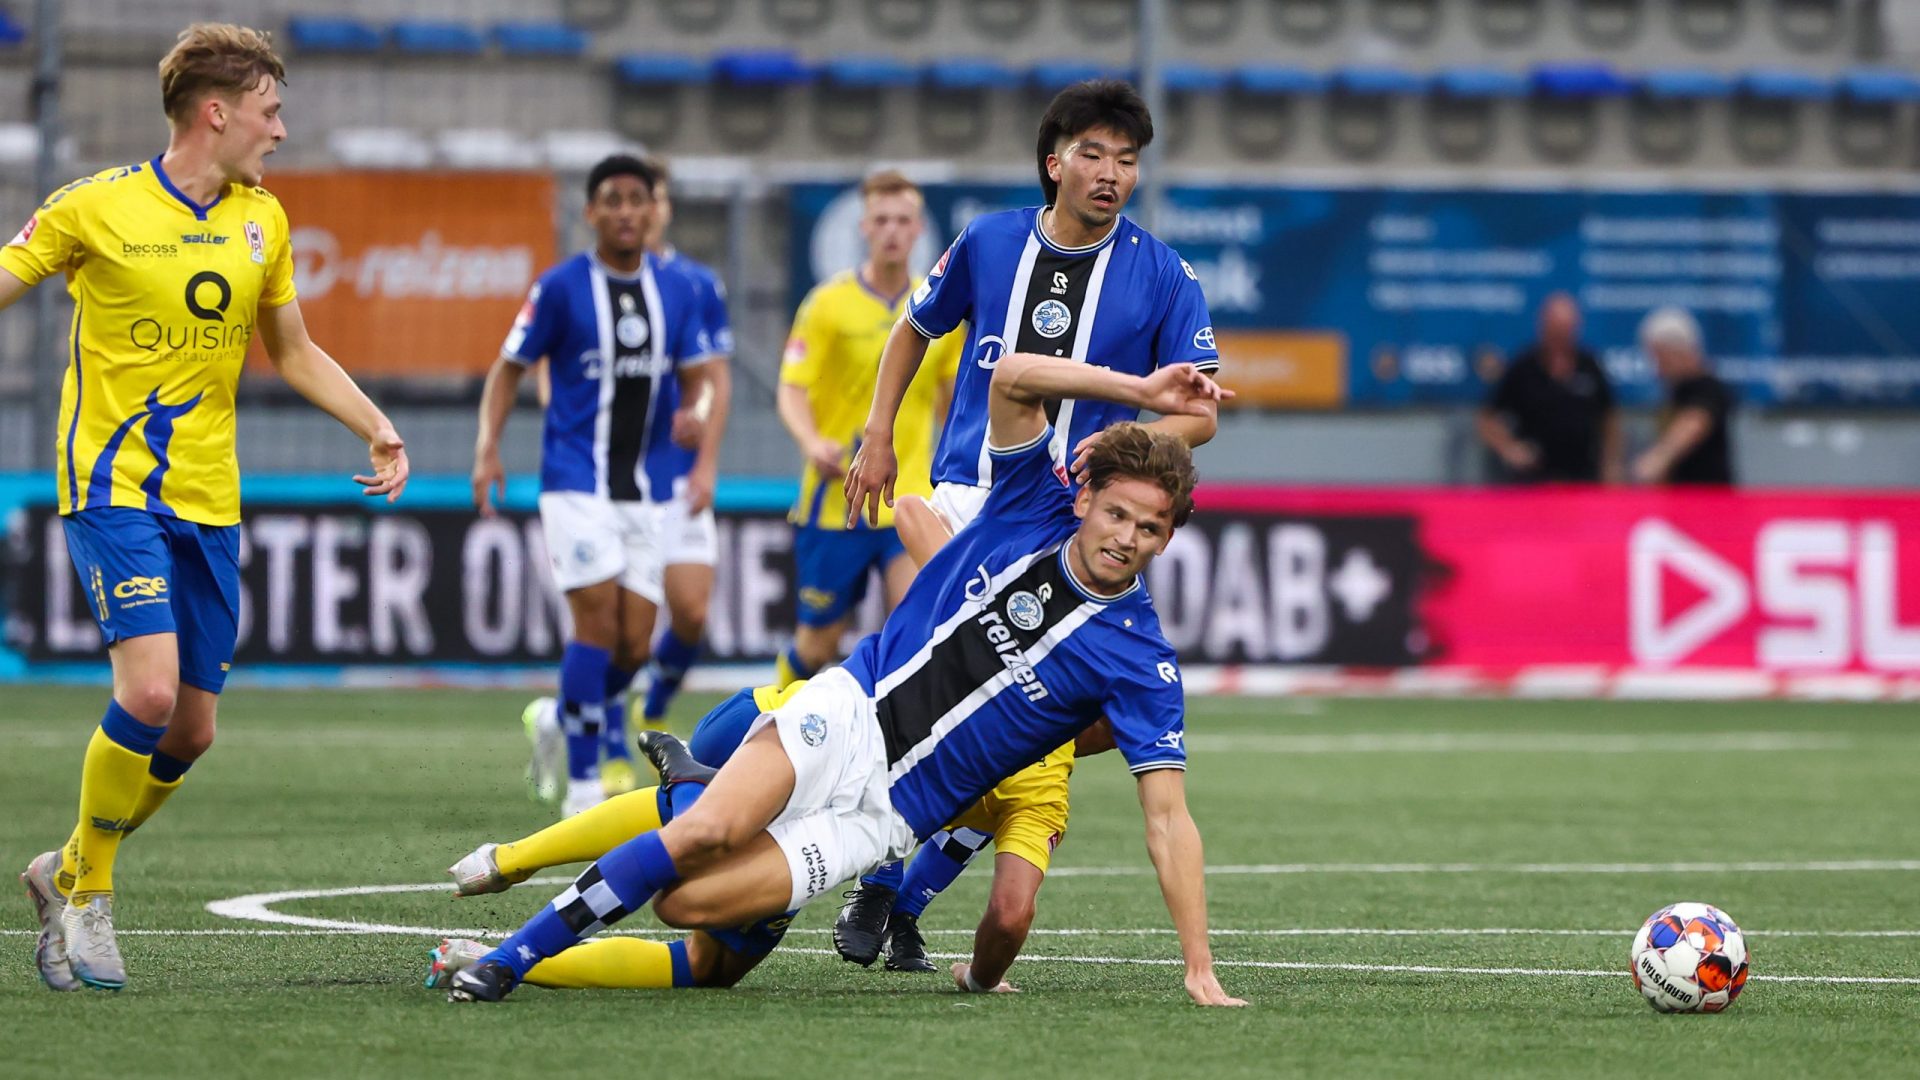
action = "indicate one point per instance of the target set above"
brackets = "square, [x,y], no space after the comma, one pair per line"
[1040,230]
[1066,565]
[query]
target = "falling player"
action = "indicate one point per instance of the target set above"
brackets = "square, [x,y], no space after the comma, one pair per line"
[173,264]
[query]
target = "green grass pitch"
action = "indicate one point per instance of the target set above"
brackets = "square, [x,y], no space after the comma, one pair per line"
[1445,822]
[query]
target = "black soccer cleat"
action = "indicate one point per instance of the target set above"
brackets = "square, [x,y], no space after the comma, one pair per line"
[906,949]
[489,981]
[862,923]
[671,759]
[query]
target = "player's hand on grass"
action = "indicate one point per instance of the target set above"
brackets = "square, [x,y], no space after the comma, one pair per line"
[389,457]
[1204,989]
[960,973]
[870,480]
[489,482]
[825,455]
[700,484]
[1182,390]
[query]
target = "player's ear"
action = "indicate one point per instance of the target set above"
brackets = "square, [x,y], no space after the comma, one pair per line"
[1053,167]
[1083,502]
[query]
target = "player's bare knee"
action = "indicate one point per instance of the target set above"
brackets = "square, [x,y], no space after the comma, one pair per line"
[150,700]
[696,838]
[691,624]
[188,744]
[676,909]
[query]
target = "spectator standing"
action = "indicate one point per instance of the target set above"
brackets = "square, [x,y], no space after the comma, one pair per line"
[1552,417]
[1693,446]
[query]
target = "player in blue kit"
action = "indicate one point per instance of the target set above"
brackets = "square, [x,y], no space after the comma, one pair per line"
[1073,279]
[617,330]
[1016,636]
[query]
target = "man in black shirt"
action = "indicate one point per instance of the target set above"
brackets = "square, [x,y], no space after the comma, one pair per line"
[1551,416]
[1693,447]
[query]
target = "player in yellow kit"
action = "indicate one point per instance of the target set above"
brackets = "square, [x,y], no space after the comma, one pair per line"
[826,381]
[173,265]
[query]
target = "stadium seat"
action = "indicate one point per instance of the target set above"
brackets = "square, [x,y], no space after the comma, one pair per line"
[695,16]
[539,39]
[1052,76]
[1103,20]
[1361,106]
[489,148]
[869,72]
[850,103]
[794,17]
[1409,22]
[579,151]
[1784,85]
[1003,20]
[435,37]
[1260,114]
[1808,25]
[1683,83]
[1367,80]
[1273,80]
[12,31]
[379,148]
[333,33]
[648,93]
[1206,20]
[1708,24]
[1508,23]
[1663,120]
[954,109]
[1194,79]
[748,95]
[1578,81]
[1608,24]
[662,69]
[762,68]
[1480,83]
[1562,119]
[1866,118]
[900,18]
[1766,111]
[1307,21]
[1889,85]
[971,73]
[1461,110]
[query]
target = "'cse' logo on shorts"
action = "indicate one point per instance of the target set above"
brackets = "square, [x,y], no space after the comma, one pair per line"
[140,586]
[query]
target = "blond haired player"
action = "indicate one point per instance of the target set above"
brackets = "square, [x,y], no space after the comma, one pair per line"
[173,265]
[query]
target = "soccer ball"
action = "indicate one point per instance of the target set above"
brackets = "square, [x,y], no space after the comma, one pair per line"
[1689,958]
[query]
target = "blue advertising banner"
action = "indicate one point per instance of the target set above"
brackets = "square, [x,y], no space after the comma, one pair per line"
[1373,297]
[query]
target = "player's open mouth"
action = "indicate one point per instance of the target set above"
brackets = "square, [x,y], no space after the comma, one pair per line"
[1113,557]
[1105,199]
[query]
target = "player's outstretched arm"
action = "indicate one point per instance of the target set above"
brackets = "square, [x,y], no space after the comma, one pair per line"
[309,370]
[1023,383]
[871,475]
[1173,842]
[497,396]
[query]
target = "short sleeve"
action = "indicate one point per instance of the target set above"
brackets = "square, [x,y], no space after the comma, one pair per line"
[691,341]
[1026,487]
[1148,714]
[945,299]
[1185,335]
[49,243]
[807,343]
[535,329]
[278,288]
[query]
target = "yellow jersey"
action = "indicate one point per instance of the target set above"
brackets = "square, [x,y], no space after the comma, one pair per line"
[166,293]
[834,354]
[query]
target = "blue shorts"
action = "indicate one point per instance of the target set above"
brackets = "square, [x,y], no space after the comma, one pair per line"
[715,738]
[832,567]
[147,573]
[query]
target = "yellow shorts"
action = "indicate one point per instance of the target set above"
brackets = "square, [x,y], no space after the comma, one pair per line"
[1027,813]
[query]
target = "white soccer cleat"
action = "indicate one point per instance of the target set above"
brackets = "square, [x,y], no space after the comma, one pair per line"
[450,957]
[92,947]
[582,795]
[547,771]
[478,872]
[50,948]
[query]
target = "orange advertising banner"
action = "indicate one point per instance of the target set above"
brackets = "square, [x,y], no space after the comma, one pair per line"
[415,274]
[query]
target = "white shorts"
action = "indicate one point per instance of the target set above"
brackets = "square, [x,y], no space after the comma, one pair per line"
[958,504]
[686,537]
[591,539]
[839,823]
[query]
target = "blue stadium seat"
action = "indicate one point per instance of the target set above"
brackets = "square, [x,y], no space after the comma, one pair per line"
[971,73]
[1371,81]
[539,39]
[1053,76]
[1578,81]
[11,31]
[1782,85]
[1473,82]
[761,67]
[869,72]
[1194,79]
[1879,85]
[331,33]
[435,37]
[1675,83]
[662,69]
[1277,79]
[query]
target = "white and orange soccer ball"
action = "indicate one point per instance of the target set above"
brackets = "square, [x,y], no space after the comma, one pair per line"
[1690,958]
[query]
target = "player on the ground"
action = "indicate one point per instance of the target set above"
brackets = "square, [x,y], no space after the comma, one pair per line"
[615,328]
[173,264]
[826,380]
[1019,634]
[1072,278]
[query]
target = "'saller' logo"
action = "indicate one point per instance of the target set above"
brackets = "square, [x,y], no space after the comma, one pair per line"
[1051,319]
[1025,611]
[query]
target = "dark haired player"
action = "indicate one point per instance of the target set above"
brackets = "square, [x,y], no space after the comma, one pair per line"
[615,328]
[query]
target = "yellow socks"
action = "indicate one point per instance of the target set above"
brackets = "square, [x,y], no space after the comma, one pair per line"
[111,782]
[615,963]
[584,836]
[153,793]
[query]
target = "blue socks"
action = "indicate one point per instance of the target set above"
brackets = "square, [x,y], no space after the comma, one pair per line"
[671,659]
[166,768]
[119,725]
[613,728]
[887,875]
[583,696]
[935,866]
[622,882]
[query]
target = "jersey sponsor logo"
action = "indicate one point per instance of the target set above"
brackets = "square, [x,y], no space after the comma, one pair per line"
[26,231]
[1012,655]
[796,350]
[223,296]
[632,330]
[1051,318]
[920,294]
[813,729]
[207,297]
[149,587]
[256,242]
[1025,610]
[1060,283]
[1169,673]
[1172,740]
[149,251]
[1188,267]
[214,239]
[940,267]
[1203,339]
[988,350]
[979,585]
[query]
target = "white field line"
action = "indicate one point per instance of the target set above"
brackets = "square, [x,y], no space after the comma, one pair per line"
[1825,867]
[1493,742]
